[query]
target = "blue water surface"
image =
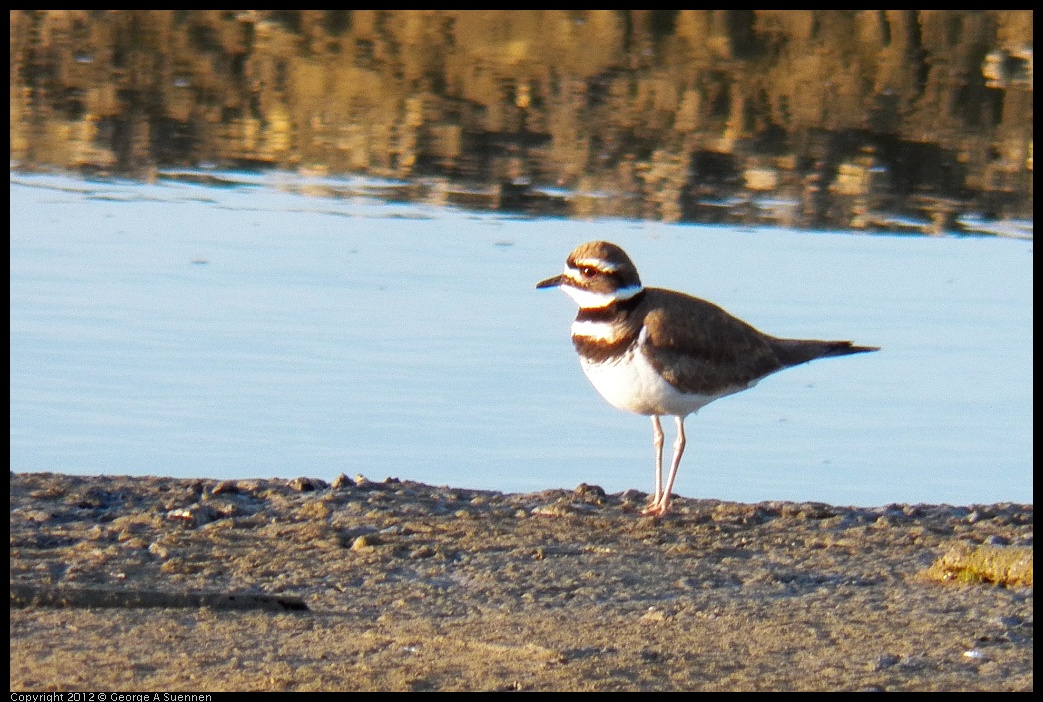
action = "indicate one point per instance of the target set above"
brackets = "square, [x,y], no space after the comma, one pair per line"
[263,330]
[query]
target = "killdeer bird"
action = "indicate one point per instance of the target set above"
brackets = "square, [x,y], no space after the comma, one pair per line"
[660,352]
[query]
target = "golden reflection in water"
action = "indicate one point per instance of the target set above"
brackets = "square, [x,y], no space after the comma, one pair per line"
[801,118]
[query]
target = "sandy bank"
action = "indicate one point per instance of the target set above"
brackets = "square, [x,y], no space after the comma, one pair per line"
[413,587]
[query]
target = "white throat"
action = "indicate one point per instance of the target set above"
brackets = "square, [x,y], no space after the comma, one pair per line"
[594,300]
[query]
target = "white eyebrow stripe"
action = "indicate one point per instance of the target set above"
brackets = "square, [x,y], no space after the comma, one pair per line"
[599,263]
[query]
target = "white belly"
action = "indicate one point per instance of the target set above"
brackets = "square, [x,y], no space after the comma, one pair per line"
[631,383]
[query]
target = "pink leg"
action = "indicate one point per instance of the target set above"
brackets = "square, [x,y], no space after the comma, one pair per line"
[657,443]
[662,502]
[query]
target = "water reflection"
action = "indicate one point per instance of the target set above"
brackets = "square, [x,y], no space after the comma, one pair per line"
[878,120]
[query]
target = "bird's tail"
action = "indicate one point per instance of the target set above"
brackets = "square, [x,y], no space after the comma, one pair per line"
[793,352]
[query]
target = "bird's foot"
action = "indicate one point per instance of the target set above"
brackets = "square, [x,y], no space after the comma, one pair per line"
[656,508]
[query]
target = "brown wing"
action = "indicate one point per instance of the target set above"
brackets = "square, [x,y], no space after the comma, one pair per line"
[698,347]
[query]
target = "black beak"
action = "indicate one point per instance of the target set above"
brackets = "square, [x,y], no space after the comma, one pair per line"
[551,282]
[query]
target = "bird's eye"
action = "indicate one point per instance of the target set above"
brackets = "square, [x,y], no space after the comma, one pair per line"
[588,271]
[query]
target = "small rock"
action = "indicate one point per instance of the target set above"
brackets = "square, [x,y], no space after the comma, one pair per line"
[303,484]
[584,490]
[885,661]
[342,482]
[364,542]
[195,516]
[655,615]
[552,510]
[422,552]
[226,487]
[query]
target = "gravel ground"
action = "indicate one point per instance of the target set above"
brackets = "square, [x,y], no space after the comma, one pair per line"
[144,583]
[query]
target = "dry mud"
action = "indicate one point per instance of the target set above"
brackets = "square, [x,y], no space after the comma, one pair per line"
[143,583]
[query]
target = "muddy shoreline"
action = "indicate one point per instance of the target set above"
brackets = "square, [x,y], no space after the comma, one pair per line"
[406,586]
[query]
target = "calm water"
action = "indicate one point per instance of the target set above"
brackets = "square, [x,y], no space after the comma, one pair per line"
[258,331]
